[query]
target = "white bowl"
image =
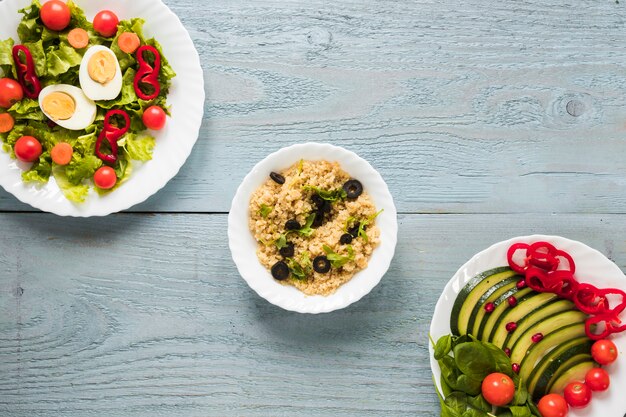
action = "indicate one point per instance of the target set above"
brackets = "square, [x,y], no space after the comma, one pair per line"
[173,143]
[243,246]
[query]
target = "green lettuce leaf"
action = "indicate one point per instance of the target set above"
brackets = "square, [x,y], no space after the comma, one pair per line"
[27,109]
[81,168]
[40,171]
[6,58]
[128,95]
[60,60]
[39,57]
[30,28]
[137,147]
[73,192]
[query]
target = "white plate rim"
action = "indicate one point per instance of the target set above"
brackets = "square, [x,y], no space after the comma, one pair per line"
[243,246]
[186,98]
[605,272]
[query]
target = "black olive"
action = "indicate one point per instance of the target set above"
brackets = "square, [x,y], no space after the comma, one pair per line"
[287,251]
[321,264]
[317,200]
[353,188]
[326,207]
[345,238]
[318,220]
[354,230]
[280,271]
[292,225]
[279,179]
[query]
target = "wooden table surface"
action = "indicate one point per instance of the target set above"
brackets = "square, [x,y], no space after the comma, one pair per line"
[487,120]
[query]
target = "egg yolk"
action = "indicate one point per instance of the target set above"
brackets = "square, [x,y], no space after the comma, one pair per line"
[58,105]
[101,67]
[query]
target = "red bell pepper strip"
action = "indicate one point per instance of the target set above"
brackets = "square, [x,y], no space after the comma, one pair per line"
[543,255]
[26,72]
[510,255]
[111,133]
[147,74]
[610,323]
[592,300]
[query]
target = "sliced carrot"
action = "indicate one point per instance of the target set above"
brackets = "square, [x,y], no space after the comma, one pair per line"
[78,38]
[62,153]
[6,122]
[128,42]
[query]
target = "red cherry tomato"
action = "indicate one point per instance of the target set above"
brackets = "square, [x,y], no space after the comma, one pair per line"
[577,394]
[55,15]
[604,352]
[553,405]
[10,92]
[105,178]
[105,23]
[27,149]
[498,389]
[597,379]
[154,118]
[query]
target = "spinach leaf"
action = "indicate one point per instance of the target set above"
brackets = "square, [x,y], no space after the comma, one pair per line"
[474,360]
[457,401]
[443,347]
[480,403]
[521,394]
[502,361]
[520,411]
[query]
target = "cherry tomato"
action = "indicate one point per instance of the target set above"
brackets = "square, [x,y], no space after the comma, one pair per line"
[553,405]
[105,178]
[55,15]
[577,394]
[105,23]
[597,379]
[27,149]
[154,118]
[10,92]
[498,389]
[604,352]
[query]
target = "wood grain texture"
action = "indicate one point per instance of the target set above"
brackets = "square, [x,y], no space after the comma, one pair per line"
[464,107]
[136,315]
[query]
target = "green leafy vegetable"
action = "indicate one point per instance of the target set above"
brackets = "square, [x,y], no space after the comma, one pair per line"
[306,230]
[265,210]
[328,195]
[300,270]
[7,66]
[281,242]
[336,260]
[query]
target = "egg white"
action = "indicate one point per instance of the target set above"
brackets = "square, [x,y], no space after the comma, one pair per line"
[85,110]
[93,89]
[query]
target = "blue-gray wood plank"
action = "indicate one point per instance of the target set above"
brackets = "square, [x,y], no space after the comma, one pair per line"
[487,120]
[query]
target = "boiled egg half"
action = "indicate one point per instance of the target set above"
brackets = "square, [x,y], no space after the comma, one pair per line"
[67,106]
[99,74]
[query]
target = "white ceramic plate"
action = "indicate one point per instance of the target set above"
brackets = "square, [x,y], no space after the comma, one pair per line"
[174,142]
[591,267]
[243,246]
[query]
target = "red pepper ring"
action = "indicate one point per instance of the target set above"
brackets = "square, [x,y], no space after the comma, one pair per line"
[111,133]
[592,300]
[510,254]
[26,72]
[611,322]
[537,279]
[147,74]
[563,283]
[560,254]
[543,255]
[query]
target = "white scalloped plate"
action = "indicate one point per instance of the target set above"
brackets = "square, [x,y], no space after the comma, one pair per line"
[174,142]
[243,246]
[591,266]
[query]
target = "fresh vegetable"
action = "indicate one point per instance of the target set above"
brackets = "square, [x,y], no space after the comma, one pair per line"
[353,188]
[111,133]
[321,264]
[10,92]
[553,405]
[128,42]
[55,15]
[27,149]
[280,271]
[287,251]
[105,23]
[465,363]
[105,178]
[577,394]
[597,379]
[265,210]
[292,224]
[154,118]
[26,71]
[604,352]
[345,239]
[6,122]
[62,153]
[78,38]
[337,260]
[498,389]
[146,81]
[277,178]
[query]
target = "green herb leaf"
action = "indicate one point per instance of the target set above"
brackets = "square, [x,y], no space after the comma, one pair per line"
[328,195]
[336,260]
[281,242]
[306,230]
[264,210]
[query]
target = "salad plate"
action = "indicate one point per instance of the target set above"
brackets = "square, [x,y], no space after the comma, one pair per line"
[173,144]
[243,246]
[591,267]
